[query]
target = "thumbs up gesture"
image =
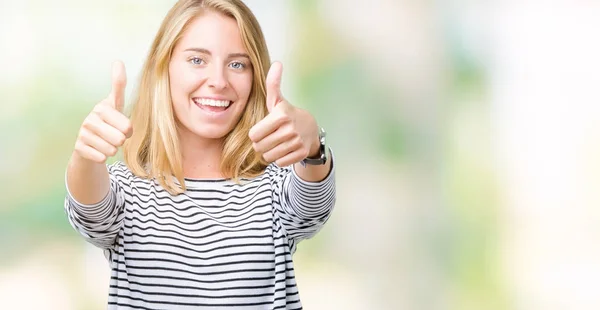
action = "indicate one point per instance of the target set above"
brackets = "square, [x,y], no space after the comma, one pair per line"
[105,129]
[287,134]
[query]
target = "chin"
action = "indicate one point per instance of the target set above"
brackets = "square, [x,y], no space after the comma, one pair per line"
[212,132]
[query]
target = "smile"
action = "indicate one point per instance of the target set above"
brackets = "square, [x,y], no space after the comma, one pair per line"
[212,102]
[212,105]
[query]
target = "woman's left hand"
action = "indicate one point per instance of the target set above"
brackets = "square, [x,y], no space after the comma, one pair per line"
[287,135]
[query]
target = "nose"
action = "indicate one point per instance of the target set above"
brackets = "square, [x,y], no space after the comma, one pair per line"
[217,78]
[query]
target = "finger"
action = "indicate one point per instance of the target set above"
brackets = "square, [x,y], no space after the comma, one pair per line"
[267,125]
[97,143]
[274,139]
[291,158]
[89,152]
[282,150]
[274,85]
[119,81]
[105,131]
[116,119]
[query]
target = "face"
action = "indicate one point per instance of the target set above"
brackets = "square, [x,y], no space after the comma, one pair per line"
[210,77]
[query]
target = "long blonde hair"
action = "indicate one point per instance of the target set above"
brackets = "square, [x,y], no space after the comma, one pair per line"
[153,151]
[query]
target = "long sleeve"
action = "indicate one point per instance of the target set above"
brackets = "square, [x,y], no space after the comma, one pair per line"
[303,207]
[100,223]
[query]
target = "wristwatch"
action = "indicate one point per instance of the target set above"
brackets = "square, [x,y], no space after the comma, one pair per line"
[321,159]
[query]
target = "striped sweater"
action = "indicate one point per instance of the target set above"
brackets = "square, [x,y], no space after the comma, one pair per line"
[218,245]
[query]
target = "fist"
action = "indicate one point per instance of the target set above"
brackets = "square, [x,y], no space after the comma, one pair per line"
[287,134]
[106,128]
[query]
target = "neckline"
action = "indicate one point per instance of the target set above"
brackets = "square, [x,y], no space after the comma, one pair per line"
[208,180]
[201,183]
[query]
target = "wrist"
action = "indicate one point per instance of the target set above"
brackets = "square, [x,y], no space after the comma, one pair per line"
[318,156]
[314,148]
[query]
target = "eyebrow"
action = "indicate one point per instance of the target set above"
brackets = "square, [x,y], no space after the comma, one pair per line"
[205,51]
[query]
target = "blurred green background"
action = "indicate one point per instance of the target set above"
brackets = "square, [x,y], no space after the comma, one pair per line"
[466,136]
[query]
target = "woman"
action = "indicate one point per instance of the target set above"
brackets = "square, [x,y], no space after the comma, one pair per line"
[222,177]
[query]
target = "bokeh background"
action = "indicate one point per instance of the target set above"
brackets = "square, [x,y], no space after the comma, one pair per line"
[466,134]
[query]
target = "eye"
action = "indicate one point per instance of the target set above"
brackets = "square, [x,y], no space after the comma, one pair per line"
[196,60]
[238,65]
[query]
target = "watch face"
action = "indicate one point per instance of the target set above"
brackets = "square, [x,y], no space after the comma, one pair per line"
[322,135]
[322,132]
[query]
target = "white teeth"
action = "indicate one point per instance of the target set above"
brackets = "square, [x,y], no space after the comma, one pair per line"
[212,102]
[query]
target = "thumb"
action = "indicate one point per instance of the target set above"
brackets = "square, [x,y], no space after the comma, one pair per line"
[119,81]
[274,85]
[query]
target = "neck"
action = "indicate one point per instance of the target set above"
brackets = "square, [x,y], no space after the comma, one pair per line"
[201,157]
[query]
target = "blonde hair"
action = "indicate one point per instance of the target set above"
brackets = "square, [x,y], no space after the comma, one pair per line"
[153,151]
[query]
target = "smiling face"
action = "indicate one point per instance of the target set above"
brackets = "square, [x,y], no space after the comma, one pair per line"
[210,77]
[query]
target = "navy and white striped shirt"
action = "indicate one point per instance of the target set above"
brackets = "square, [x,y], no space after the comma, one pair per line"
[217,245]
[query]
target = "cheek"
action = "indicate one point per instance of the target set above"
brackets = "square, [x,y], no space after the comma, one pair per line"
[181,81]
[242,85]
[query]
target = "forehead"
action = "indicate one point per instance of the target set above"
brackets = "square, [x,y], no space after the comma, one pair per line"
[213,31]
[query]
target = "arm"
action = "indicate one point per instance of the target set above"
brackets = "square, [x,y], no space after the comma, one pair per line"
[87,181]
[303,207]
[103,131]
[100,222]
[303,197]
[94,195]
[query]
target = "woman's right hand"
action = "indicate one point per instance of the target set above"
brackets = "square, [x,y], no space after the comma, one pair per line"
[106,128]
